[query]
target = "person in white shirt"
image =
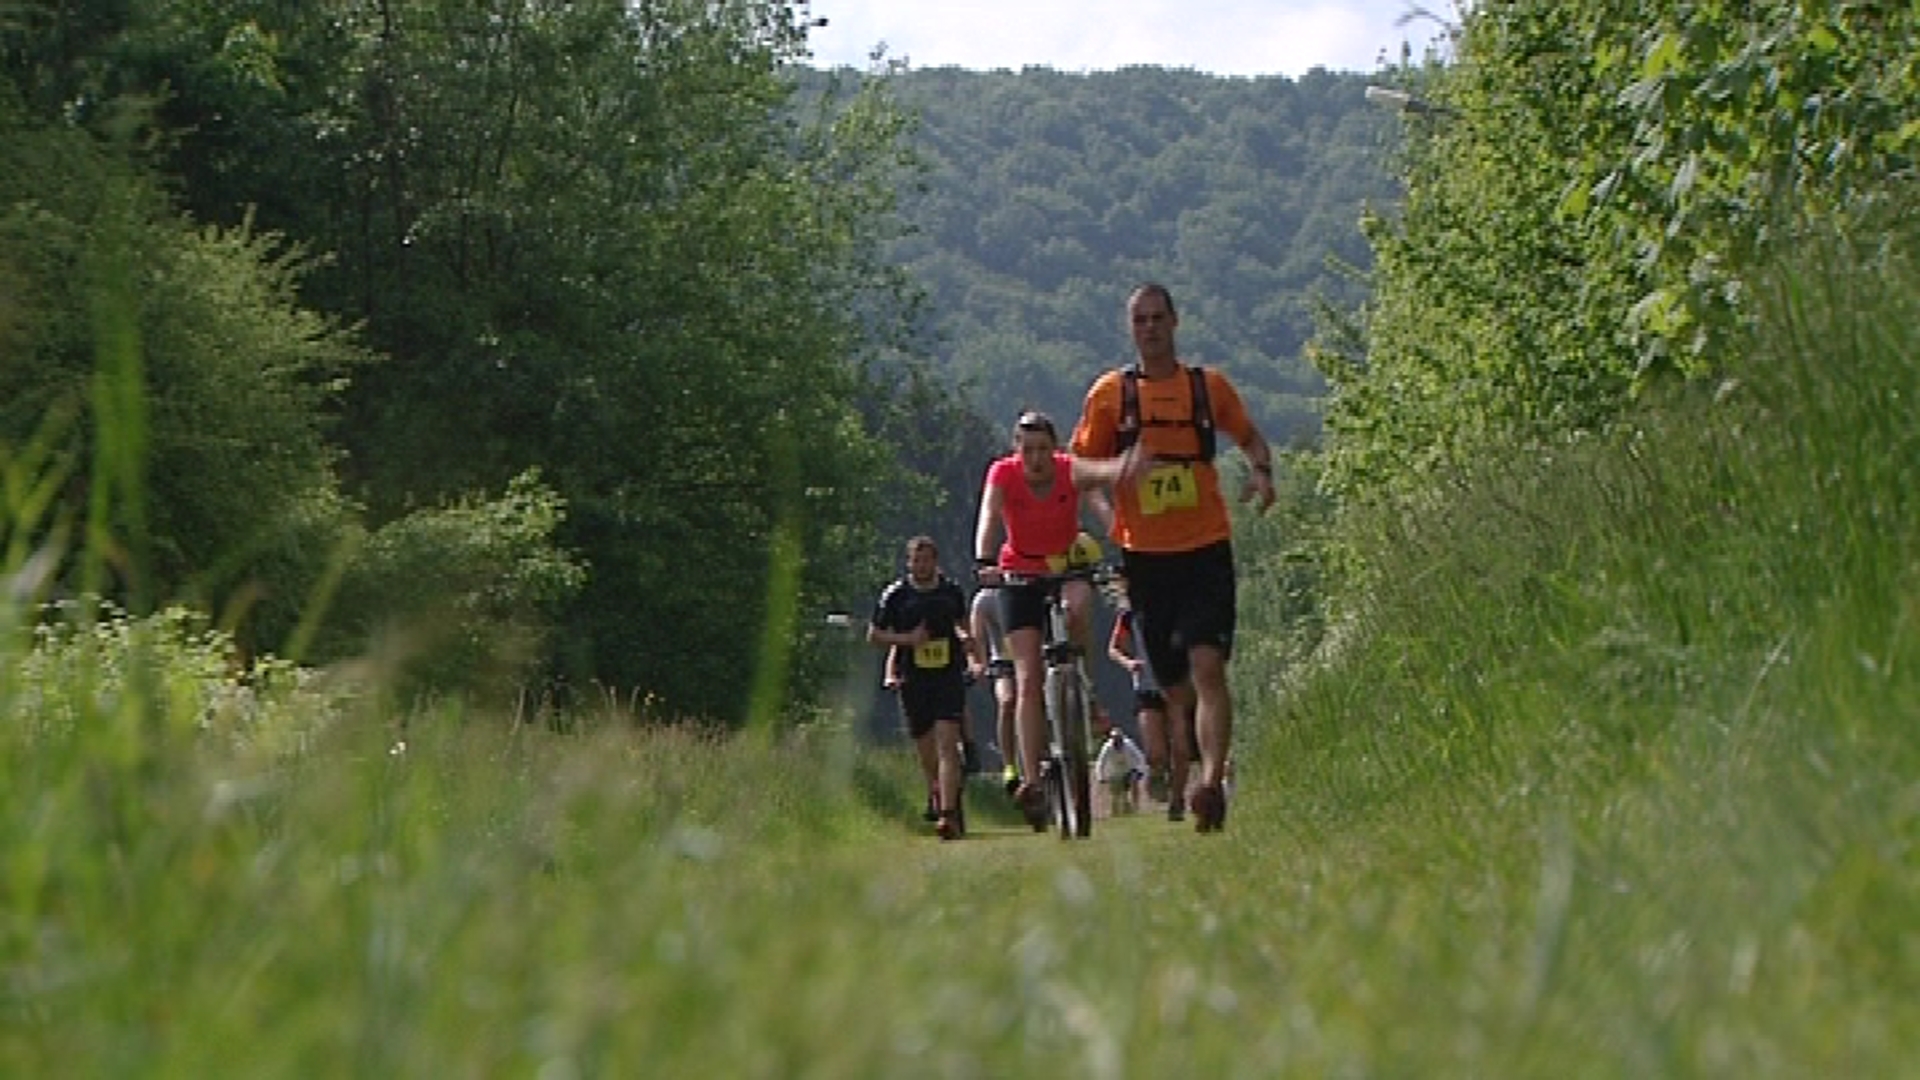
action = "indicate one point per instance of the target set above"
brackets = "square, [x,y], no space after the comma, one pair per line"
[1122,770]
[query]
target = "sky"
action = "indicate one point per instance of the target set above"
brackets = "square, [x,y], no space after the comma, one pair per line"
[1222,37]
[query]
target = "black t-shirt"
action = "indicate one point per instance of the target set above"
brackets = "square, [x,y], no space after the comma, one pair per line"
[942,607]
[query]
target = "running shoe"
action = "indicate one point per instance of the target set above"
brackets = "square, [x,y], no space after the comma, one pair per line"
[1176,810]
[949,827]
[1010,778]
[1033,803]
[1209,809]
[932,812]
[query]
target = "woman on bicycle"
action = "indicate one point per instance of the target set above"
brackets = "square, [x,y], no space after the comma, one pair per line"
[1031,505]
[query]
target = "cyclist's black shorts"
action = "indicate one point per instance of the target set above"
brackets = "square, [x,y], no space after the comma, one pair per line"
[1150,700]
[1180,600]
[999,669]
[1023,607]
[936,697]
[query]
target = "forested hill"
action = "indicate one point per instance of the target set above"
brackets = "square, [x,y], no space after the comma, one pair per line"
[1047,194]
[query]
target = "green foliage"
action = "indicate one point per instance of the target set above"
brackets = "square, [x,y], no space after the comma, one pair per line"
[242,378]
[1665,670]
[601,240]
[456,599]
[148,814]
[595,241]
[171,668]
[945,445]
[1581,216]
[195,382]
[1284,582]
[177,371]
[1615,748]
[1742,117]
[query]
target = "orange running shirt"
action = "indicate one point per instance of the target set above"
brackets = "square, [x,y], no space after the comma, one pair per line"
[1177,506]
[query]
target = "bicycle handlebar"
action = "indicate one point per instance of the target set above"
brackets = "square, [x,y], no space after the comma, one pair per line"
[1097,574]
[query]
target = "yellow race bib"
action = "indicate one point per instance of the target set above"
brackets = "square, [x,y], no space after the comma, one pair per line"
[1085,552]
[1167,487]
[931,654]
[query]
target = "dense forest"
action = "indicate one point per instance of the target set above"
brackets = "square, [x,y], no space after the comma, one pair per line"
[416,332]
[1047,195]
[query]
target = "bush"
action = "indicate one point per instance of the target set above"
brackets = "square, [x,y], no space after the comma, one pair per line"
[456,599]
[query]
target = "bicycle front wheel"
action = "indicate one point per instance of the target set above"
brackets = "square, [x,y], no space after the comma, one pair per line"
[1068,699]
[1059,797]
[1080,780]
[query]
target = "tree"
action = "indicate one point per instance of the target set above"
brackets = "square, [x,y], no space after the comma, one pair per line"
[1581,210]
[197,383]
[599,239]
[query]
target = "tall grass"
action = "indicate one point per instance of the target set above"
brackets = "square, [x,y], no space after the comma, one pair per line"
[1647,703]
[1613,774]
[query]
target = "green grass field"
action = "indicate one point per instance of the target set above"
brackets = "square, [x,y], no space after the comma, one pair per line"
[1613,774]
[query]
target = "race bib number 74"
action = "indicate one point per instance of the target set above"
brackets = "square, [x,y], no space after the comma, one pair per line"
[1169,487]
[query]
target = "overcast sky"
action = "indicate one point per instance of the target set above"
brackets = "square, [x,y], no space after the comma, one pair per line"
[1224,37]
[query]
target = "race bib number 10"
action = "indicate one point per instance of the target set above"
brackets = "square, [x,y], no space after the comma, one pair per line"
[931,654]
[1169,487]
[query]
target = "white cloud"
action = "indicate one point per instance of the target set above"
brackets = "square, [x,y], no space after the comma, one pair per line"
[1227,37]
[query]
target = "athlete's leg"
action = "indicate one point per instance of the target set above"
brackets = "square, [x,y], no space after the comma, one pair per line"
[929,755]
[1005,730]
[1213,711]
[1208,634]
[1179,724]
[946,743]
[1152,714]
[1078,596]
[1030,713]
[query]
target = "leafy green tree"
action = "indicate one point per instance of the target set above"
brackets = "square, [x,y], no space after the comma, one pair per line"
[208,371]
[622,256]
[1583,205]
[601,239]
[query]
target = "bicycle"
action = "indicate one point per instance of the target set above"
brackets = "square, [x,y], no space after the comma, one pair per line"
[1066,769]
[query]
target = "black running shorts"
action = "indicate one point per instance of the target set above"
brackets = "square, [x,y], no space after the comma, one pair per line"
[1180,600]
[925,701]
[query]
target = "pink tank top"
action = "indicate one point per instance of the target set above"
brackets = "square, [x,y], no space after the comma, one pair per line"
[1037,525]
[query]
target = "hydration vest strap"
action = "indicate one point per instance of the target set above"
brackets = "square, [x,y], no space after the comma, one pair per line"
[1127,432]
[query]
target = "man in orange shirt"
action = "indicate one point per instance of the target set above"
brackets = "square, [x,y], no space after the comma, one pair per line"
[1173,529]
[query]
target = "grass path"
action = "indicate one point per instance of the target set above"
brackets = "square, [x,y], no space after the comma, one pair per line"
[1001,855]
